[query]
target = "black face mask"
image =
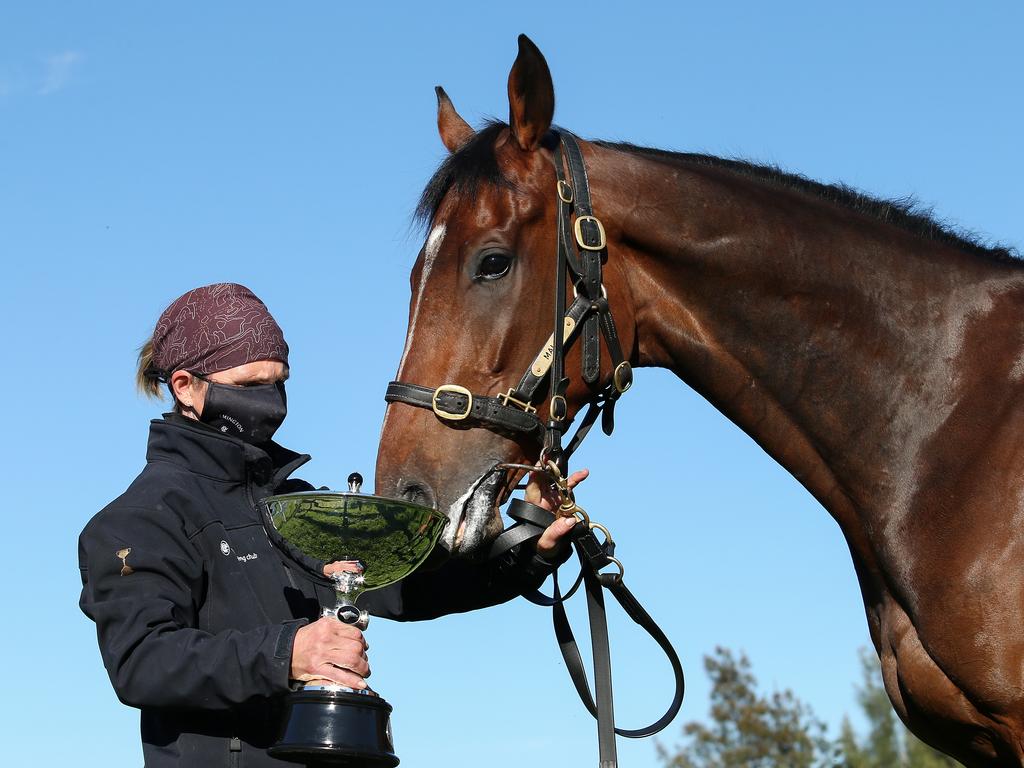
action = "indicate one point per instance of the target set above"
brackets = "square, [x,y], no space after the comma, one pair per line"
[251,413]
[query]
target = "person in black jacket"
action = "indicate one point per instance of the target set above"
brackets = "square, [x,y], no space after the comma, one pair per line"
[202,623]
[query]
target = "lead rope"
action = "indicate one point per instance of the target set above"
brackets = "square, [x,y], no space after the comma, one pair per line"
[594,555]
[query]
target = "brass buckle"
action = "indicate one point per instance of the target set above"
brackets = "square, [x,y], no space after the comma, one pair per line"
[564,191]
[558,408]
[623,369]
[455,389]
[577,228]
[507,398]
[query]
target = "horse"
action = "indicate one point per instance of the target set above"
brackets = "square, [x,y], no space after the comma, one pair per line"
[874,353]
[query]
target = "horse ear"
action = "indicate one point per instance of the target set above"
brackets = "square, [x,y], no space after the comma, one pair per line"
[531,96]
[453,129]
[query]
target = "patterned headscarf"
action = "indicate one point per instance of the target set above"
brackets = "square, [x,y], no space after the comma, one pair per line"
[214,328]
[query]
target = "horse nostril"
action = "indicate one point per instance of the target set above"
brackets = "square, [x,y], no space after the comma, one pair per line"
[418,493]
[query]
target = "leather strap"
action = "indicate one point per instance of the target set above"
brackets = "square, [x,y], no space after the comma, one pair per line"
[600,649]
[593,554]
[489,411]
[576,668]
[590,256]
[526,390]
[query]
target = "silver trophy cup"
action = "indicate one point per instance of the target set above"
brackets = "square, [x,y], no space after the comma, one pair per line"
[385,540]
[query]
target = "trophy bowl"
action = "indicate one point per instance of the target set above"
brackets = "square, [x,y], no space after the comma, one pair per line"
[385,540]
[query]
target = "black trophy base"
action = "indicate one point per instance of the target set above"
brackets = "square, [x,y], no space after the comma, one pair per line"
[324,727]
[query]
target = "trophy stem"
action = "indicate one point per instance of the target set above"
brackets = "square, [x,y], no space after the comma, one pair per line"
[347,587]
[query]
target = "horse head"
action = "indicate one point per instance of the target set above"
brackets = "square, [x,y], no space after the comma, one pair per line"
[482,305]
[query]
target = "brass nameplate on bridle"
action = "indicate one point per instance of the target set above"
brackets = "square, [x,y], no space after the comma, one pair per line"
[543,361]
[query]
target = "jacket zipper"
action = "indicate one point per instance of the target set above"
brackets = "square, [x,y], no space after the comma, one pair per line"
[235,751]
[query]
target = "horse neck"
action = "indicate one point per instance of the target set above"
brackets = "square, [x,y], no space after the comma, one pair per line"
[827,335]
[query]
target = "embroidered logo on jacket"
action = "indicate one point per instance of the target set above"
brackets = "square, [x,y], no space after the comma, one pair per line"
[225,548]
[122,555]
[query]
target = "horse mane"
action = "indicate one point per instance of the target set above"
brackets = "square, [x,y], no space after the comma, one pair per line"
[475,164]
[470,167]
[907,213]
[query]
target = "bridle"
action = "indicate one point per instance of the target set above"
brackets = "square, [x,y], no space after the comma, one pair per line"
[581,252]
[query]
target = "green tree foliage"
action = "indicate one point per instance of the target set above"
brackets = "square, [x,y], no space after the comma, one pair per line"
[748,729]
[888,744]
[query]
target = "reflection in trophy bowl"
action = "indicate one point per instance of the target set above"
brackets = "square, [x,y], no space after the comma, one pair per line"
[391,538]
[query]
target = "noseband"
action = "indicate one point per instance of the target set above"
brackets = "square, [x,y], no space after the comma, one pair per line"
[582,249]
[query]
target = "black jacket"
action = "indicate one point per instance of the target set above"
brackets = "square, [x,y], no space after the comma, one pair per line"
[196,611]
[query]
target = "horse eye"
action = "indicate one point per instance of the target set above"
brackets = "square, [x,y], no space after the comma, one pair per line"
[494,265]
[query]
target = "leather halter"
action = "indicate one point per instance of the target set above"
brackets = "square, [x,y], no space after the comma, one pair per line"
[582,249]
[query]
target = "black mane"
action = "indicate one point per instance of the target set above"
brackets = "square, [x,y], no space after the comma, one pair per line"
[906,212]
[472,166]
[475,165]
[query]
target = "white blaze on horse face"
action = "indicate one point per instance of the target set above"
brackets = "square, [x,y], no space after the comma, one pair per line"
[430,251]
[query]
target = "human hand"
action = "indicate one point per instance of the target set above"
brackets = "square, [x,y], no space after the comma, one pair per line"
[343,566]
[330,652]
[540,492]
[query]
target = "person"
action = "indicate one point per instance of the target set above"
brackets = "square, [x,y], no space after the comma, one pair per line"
[202,623]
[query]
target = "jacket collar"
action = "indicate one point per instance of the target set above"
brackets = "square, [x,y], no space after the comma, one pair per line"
[200,449]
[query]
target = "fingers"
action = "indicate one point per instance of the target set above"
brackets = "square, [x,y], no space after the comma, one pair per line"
[540,491]
[340,566]
[578,477]
[333,631]
[329,649]
[353,659]
[533,487]
[329,675]
[339,663]
[553,534]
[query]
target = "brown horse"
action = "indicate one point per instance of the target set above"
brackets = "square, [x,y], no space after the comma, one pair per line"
[874,354]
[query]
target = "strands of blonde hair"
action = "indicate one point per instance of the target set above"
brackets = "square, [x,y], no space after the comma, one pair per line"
[146,382]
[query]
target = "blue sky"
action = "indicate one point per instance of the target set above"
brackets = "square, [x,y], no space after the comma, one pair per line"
[148,149]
